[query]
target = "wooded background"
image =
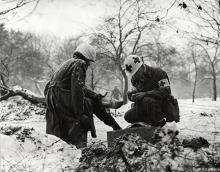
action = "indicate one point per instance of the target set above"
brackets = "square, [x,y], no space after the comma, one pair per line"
[137,27]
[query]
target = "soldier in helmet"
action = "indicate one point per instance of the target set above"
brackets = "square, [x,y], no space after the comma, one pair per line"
[151,93]
[70,105]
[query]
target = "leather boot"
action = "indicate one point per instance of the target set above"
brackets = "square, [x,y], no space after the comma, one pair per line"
[115,126]
[110,121]
[114,104]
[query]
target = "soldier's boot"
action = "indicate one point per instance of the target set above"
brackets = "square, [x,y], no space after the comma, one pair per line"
[114,104]
[115,125]
[102,112]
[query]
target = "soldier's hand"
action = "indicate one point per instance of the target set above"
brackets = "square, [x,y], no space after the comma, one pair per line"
[138,96]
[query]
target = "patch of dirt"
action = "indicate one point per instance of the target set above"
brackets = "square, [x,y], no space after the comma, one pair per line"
[164,152]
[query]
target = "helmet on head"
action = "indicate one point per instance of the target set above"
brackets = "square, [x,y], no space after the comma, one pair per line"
[87,51]
[132,63]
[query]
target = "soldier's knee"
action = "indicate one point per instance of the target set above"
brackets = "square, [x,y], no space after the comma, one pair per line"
[129,117]
[126,117]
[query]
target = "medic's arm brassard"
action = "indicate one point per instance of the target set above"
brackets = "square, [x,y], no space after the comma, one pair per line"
[162,87]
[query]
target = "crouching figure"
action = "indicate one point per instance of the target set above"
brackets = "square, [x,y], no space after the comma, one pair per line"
[153,102]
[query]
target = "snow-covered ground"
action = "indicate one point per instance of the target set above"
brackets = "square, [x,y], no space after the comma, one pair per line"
[201,118]
[24,146]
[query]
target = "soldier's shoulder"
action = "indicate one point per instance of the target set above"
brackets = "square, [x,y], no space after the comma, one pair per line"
[158,71]
[76,62]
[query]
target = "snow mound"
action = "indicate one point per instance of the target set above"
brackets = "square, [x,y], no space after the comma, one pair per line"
[24,149]
[24,144]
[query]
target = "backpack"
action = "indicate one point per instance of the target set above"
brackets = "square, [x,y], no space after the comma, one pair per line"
[171,110]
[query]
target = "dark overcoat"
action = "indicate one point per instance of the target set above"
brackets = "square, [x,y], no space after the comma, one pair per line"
[66,101]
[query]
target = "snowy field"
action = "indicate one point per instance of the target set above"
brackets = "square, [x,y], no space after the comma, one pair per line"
[24,146]
[201,118]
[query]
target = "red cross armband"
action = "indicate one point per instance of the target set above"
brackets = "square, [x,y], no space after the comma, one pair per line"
[163,83]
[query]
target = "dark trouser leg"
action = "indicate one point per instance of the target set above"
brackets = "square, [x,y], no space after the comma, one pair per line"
[131,116]
[148,110]
[89,110]
[104,115]
[151,111]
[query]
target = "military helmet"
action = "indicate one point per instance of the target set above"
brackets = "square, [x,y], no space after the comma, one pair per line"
[87,51]
[132,63]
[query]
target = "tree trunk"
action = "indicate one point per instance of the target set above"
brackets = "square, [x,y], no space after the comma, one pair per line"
[196,75]
[125,99]
[38,88]
[214,87]
[122,86]
[194,90]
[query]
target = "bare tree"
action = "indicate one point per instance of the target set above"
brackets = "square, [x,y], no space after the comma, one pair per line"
[195,63]
[65,50]
[161,55]
[12,7]
[205,15]
[212,59]
[126,32]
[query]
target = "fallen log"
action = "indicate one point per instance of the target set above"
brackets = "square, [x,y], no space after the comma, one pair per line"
[30,97]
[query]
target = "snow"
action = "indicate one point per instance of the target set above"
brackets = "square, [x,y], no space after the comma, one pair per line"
[201,118]
[24,146]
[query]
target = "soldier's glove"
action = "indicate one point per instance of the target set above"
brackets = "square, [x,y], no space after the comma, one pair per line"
[130,93]
[85,122]
[138,96]
[99,97]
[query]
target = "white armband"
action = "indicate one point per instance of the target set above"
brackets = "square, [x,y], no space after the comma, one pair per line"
[163,83]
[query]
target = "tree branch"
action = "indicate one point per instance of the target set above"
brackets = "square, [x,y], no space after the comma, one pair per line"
[32,98]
